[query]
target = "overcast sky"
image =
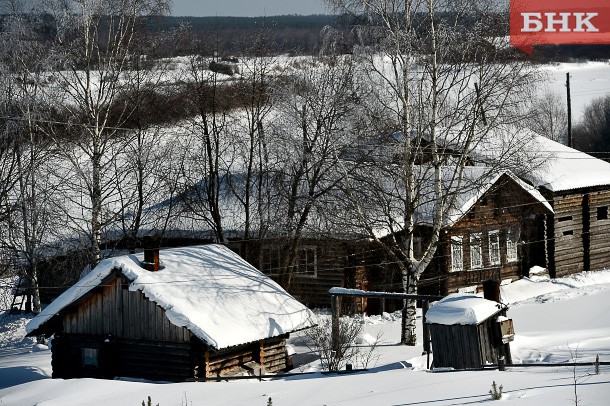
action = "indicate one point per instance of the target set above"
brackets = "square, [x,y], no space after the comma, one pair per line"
[247,8]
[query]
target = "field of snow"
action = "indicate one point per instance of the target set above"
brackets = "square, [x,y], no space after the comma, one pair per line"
[555,321]
[588,81]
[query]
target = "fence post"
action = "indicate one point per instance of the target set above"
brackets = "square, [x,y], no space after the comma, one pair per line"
[425,305]
[334,309]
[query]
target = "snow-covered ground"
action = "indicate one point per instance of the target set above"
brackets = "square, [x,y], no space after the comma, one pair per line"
[555,321]
[588,81]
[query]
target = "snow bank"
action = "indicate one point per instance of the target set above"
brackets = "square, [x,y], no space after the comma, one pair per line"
[463,309]
[528,288]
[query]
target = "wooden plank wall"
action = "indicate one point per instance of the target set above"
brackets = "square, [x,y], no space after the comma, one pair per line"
[568,221]
[600,231]
[116,311]
[455,346]
[273,354]
[331,258]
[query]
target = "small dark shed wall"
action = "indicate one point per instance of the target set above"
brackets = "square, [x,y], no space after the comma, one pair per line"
[568,234]
[156,360]
[464,346]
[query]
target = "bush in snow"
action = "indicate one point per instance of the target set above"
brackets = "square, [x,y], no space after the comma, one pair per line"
[496,392]
[352,347]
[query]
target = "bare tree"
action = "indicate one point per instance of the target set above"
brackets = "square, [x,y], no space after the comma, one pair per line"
[592,133]
[440,92]
[549,118]
[316,112]
[93,48]
[206,167]
[28,195]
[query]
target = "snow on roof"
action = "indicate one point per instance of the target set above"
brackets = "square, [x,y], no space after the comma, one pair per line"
[459,308]
[567,168]
[542,161]
[208,289]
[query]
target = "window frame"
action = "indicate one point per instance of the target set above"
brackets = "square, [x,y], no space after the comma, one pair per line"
[314,262]
[512,244]
[476,241]
[457,243]
[90,357]
[494,247]
[271,259]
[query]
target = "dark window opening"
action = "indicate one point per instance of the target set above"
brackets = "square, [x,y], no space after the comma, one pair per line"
[484,201]
[471,214]
[568,232]
[90,357]
[565,218]
[602,213]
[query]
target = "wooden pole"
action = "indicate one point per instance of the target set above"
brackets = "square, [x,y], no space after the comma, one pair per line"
[569,110]
[334,309]
[425,305]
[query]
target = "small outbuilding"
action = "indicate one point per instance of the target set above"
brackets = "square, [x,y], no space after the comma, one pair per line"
[468,331]
[179,314]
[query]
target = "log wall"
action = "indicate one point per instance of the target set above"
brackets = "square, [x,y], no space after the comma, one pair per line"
[568,234]
[599,252]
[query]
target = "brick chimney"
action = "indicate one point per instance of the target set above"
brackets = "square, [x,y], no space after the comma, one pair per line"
[151,253]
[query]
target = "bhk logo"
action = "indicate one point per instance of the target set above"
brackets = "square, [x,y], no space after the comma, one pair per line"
[559,22]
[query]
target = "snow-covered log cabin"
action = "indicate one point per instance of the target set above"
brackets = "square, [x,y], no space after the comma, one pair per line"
[577,185]
[177,314]
[490,232]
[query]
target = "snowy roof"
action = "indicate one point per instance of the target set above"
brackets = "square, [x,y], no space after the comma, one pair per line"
[459,308]
[208,289]
[567,168]
[544,162]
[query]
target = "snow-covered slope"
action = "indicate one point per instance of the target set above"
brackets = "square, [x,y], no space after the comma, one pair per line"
[552,319]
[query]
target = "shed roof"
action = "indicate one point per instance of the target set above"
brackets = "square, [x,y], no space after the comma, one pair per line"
[464,309]
[208,289]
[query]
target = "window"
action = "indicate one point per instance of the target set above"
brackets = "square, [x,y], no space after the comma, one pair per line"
[512,237]
[90,357]
[270,260]
[307,261]
[494,247]
[457,254]
[564,218]
[602,213]
[476,254]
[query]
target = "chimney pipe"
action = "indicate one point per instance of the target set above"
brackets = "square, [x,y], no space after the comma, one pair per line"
[151,254]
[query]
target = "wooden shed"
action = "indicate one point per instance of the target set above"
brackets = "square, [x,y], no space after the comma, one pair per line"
[179,314]
[578,187]
[466,332]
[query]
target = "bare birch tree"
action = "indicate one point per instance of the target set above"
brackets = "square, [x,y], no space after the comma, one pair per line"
[93,45]
[440,90]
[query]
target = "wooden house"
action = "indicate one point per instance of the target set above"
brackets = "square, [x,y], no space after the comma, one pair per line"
[180,314]
[491,231]
[577,186]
